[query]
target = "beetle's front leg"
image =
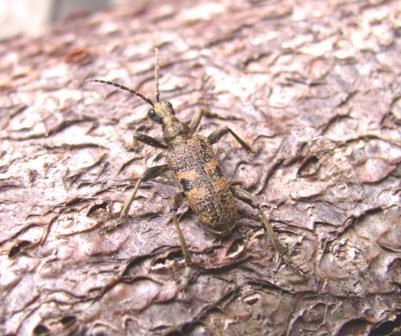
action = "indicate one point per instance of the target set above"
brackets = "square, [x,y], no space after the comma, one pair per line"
[193,125]
[178,199]
[249,199]
[218,134]
[147,175]
[148,140]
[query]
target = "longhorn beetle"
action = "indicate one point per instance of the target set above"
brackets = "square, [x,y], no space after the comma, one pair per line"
[190,156]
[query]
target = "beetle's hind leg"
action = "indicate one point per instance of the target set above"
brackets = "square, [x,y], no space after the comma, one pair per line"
[249,199]
[178,199]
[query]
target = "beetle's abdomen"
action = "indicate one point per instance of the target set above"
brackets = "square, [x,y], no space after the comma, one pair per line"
[206,188]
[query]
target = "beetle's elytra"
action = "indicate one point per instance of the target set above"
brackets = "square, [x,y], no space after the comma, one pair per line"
[205,187]
[190,156]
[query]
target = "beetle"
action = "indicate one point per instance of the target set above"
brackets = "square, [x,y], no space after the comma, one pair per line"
[190,156]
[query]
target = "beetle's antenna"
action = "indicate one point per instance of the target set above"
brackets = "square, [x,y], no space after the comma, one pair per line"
[157,65]
[122,87]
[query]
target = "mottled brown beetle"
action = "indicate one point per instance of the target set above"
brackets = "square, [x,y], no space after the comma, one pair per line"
[191,158]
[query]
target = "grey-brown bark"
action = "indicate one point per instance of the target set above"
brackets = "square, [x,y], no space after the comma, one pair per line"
[315,86]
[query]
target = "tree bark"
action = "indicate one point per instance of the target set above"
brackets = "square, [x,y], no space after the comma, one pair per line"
[315,86]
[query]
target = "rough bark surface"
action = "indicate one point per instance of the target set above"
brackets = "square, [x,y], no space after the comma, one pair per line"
[315,85]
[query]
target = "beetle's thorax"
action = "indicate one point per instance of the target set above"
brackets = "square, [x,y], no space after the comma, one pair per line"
[174,131]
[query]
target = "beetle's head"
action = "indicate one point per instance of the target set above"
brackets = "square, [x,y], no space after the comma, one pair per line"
[161,112]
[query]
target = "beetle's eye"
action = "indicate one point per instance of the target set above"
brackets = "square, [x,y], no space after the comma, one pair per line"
[154,116]
[170,106]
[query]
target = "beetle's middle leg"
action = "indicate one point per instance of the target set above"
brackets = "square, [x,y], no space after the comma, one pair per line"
[249,199]
[218,134]
[147,175]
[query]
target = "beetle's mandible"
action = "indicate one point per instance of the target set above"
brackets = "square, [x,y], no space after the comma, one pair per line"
[191,158]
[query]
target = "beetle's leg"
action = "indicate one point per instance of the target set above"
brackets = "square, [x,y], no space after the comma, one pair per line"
[148,140]
[196,121]
[218,134]
[178,199]
[147,175]
[248,198]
